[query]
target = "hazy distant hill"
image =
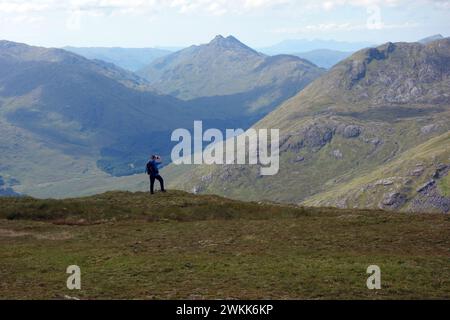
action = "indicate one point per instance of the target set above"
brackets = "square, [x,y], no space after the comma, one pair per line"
[323,57]
[372,132]
[431,39]
[131,59]
[229,74]
[304,45]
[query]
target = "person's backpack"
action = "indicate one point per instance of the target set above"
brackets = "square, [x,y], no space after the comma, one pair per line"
[149,168]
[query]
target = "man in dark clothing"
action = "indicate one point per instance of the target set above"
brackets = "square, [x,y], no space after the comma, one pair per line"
[153,171]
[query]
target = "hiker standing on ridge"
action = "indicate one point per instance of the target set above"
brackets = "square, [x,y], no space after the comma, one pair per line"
[153,171]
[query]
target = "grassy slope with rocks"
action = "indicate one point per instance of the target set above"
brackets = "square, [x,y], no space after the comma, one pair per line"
[363,115]
[182,246]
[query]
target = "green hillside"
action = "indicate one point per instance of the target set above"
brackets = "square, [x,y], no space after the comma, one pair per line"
[181,246]
[361,117]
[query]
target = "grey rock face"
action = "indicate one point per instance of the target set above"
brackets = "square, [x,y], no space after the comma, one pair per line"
[428,129]
[441,171]
[299,159]
[351,131]
[314,136]
[384,182]
[430,198]
[417,172]
[376,141]
[337,154]
[425,186]
[317,136]
[393,200]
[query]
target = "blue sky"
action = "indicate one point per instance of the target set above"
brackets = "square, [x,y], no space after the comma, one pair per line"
[259,23]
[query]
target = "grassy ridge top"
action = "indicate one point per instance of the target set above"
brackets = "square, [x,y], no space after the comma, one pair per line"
[174,205]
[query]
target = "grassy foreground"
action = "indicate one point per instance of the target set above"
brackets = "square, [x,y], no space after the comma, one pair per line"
[178,245]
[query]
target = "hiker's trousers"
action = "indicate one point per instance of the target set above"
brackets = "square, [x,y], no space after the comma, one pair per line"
[152,182]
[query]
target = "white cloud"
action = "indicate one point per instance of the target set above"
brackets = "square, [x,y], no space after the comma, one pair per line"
[326,27]
[21,7]
[215,7]
[139,6]
[331,4]
[23,19]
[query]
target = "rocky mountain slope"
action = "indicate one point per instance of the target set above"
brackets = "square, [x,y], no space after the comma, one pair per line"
[372,132]
[231,75]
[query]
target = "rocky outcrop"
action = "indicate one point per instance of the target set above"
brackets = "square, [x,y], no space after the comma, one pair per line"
[429,199]
[428,128]
[427,185]
[317,136]
[314,136]
[299,159]
[337,154]
[393,200]
[385,182]
[351,131]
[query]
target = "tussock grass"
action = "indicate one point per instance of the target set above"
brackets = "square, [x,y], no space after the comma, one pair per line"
[182,246]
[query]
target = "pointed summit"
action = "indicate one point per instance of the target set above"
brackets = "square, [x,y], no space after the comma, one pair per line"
[218,38]
[229,42]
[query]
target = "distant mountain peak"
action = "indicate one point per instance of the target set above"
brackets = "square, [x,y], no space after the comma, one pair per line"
[431,38]
[218,38]
[229,42]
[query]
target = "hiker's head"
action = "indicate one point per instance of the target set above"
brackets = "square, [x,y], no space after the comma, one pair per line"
[153,157]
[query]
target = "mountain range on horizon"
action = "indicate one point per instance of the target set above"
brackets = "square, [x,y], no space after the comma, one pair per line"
[291,46]
[323,53]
